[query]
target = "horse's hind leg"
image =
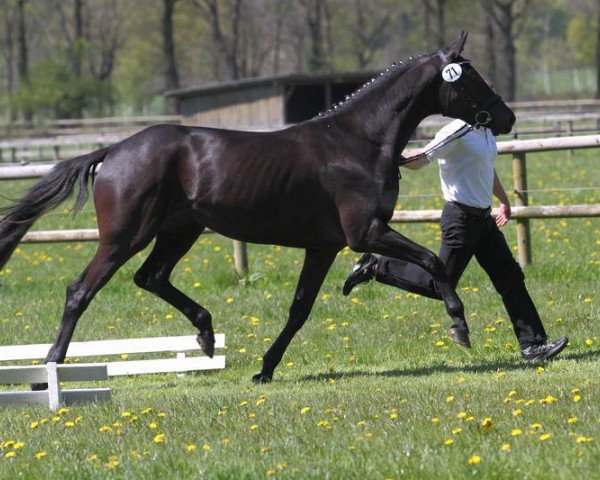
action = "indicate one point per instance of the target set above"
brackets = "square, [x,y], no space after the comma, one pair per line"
[108,259]
[172,243]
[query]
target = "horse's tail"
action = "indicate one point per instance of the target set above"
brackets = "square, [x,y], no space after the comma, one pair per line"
[46,195]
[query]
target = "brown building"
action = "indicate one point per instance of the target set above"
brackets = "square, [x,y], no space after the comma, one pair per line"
[265,102]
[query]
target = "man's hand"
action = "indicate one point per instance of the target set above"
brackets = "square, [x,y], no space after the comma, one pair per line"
[504,214]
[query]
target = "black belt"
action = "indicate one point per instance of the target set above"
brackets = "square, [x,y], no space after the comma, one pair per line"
[473,211]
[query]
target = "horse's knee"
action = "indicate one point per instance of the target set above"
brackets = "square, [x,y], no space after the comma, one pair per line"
[365,240]
[148,280]
[75,300]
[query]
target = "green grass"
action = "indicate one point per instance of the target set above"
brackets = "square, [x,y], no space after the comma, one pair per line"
[371,387]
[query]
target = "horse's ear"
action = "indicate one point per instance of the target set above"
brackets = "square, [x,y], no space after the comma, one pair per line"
[456,47]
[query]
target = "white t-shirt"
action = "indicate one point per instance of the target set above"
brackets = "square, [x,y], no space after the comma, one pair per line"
[466,165]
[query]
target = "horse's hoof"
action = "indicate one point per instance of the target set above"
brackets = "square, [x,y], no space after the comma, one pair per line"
[206,340]
[460,336]
[36,387]
[262,378]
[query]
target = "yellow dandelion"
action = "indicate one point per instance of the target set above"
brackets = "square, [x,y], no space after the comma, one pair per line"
[160,438]
[548,400]
[304,410]
[448,442]
[545,436]
[589,342]
[449,399]
[474,460]
[206,447]
[264,450]
[516,432]
[536,426]
[486,423]
[34,424]
[69,424]
[582,439]
[435,420]
[271,472]
[10,454]
[456,430]
[576,398]
[517,412]
[572,420]
[18,445]
[191,447]
[254,426]
[40,455]
[229,300]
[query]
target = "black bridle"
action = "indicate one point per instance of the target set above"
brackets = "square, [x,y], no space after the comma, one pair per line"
[482,110]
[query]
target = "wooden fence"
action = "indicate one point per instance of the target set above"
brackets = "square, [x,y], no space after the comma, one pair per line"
[522,211]
[533,119]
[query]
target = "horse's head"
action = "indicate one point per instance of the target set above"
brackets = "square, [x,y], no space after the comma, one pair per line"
[466,95]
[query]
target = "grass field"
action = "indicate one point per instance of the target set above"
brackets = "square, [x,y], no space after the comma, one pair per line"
[371,387]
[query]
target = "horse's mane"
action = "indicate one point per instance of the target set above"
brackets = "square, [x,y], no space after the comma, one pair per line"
[394,69]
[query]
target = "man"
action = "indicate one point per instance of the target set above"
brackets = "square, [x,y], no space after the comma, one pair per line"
[466,160]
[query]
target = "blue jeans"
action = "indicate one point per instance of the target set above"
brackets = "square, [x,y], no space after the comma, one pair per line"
[466,234]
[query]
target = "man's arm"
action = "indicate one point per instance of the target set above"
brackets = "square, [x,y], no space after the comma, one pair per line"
[419,161]
[505,214]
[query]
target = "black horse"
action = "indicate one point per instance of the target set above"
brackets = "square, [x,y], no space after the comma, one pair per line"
[320,185]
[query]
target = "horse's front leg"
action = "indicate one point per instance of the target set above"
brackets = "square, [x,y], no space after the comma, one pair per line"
[378,237]
[315,268]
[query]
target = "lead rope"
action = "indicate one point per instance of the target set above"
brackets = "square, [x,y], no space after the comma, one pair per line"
[446,141]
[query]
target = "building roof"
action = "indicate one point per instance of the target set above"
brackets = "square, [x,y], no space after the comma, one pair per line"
[287,79]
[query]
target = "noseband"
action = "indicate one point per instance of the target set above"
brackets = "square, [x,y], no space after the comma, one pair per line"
[482,114]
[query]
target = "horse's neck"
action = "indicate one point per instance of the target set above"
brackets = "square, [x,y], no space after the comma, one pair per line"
[389,115]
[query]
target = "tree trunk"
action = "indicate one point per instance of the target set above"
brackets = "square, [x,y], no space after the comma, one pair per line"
[490,44]
[78,20]
[23,56]
[170,70]
[23,62]
[598,55]
[441,23]
[427,10]
[8,53]
[313,14]
[503,17]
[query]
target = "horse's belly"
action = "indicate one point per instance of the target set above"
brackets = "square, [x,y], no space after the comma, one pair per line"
[284,229]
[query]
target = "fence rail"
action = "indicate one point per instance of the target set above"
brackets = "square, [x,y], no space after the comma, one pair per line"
[522,211]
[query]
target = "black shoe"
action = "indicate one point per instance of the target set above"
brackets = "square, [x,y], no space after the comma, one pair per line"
[362,272]
[545,351]
[460,336]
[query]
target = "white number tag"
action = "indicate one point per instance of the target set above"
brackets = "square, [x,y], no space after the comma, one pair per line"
[452,72]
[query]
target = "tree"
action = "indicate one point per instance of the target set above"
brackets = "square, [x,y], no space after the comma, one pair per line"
[506,14]
[226,44]
[314,14]
[170,69]
[437,7]
[598,52]
[370,31]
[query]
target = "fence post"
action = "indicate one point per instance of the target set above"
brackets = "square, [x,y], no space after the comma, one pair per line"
[523,232]
[240,257]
